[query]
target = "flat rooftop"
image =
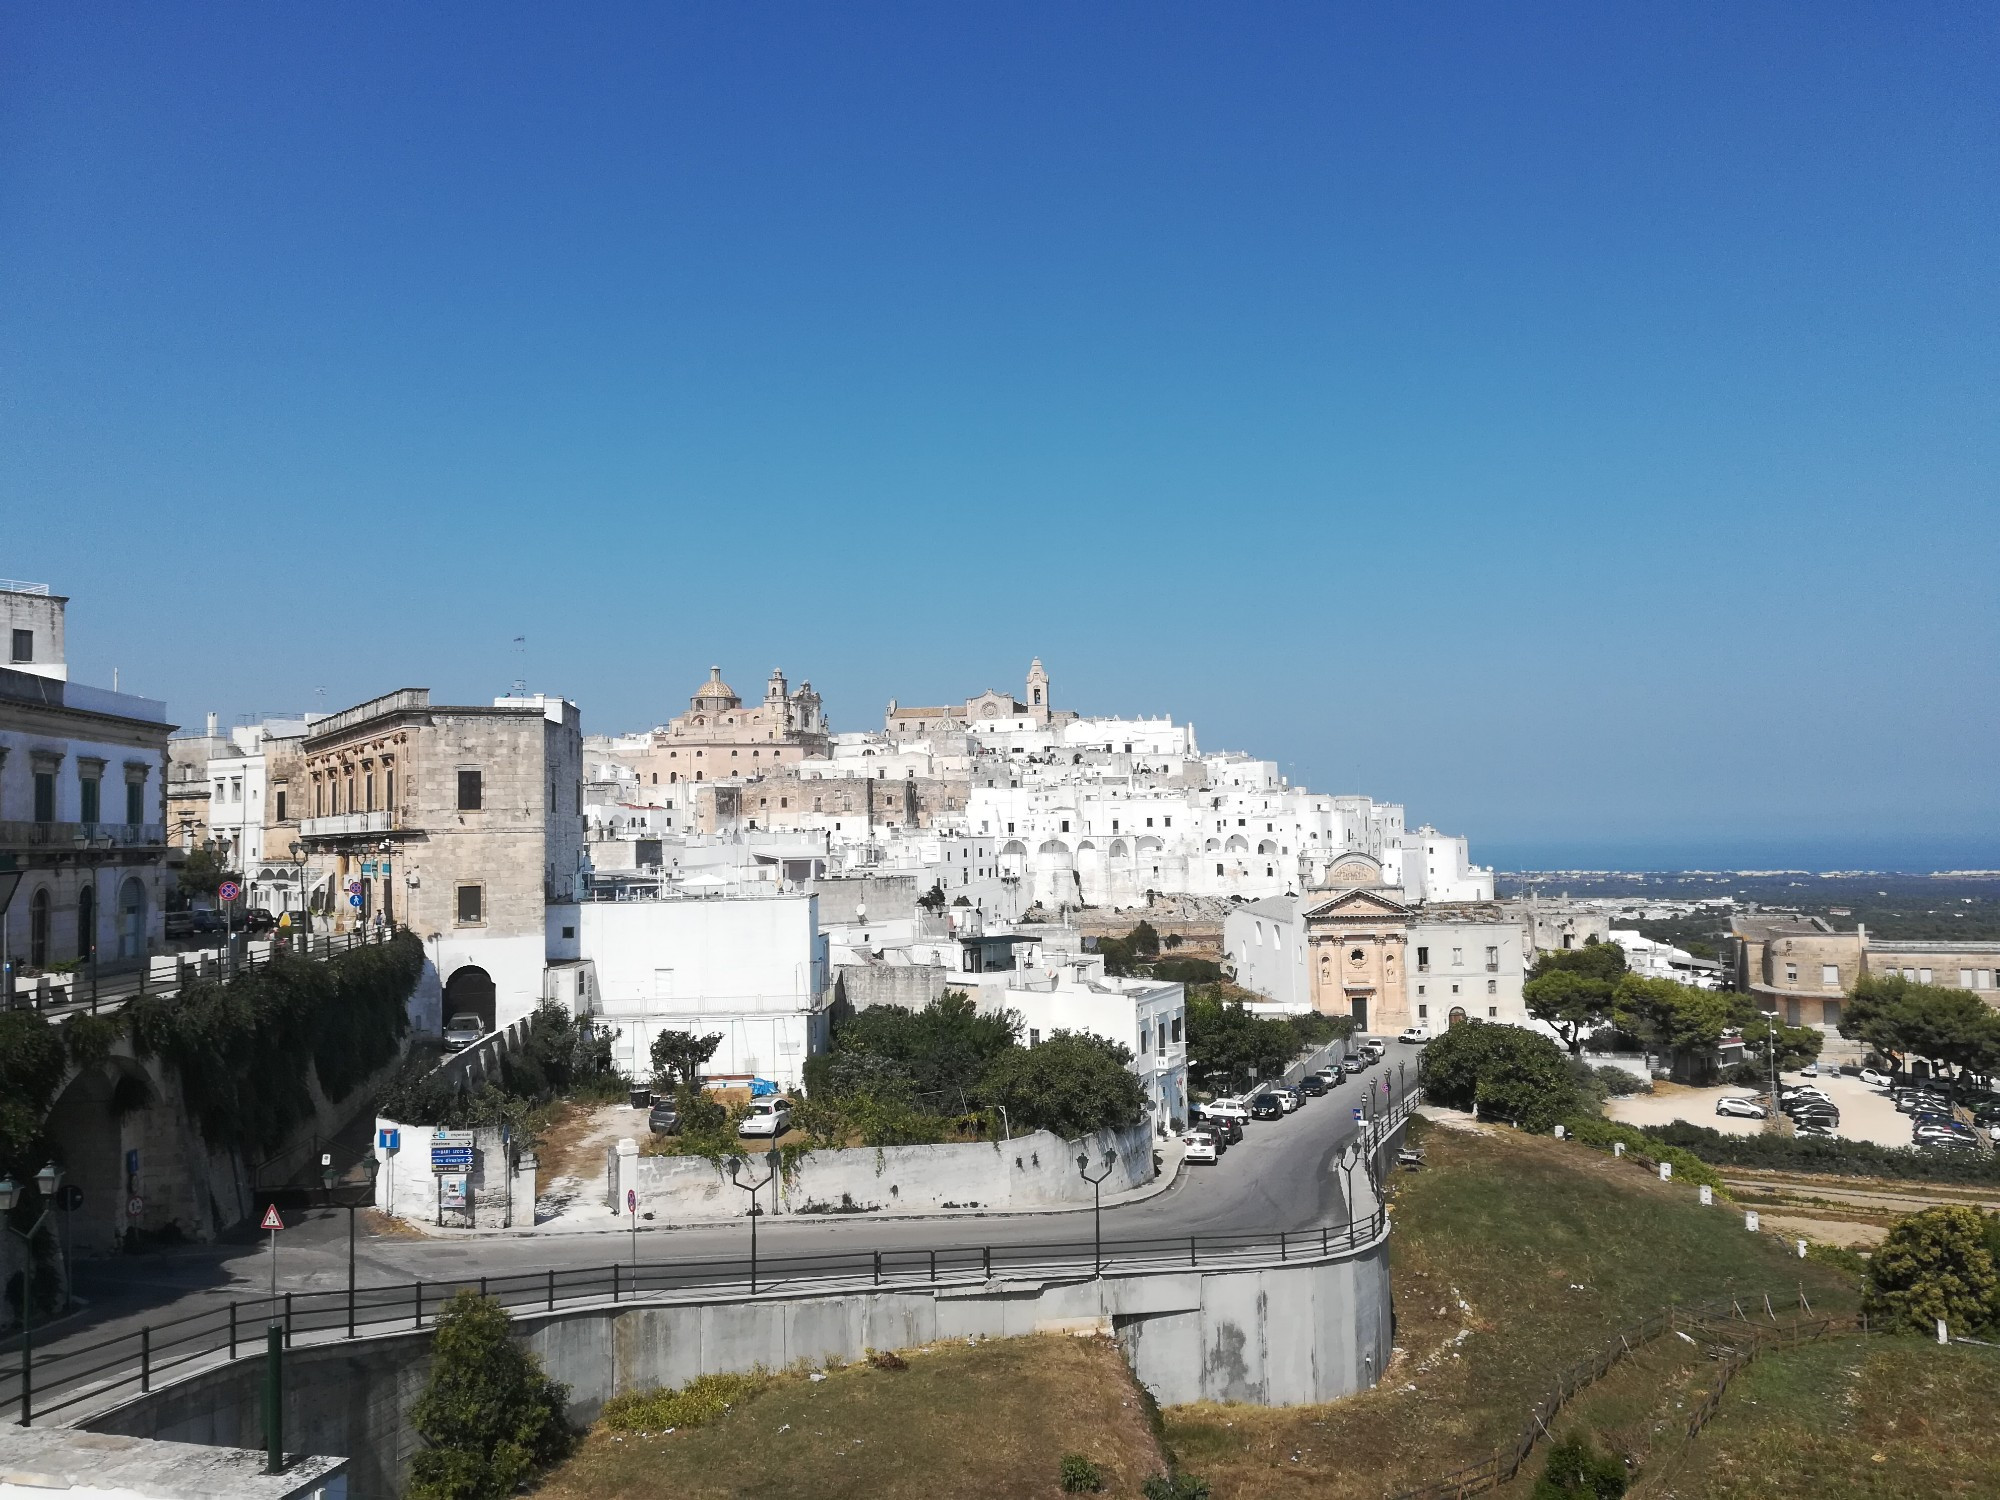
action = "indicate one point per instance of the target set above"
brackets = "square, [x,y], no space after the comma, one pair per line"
[37,1463]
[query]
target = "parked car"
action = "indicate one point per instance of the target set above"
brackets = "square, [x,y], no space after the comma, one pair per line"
[180,924]
[1266,1107]
[1810,1070]
[1875,1078]
[1312,1085]
[1375,1047]
[1816,1131]
[1198,1146]
[203,923]
[1352,1065]
[1333,1078]
[1414,1036]
[1289,1099]
[259,920]
[1227,1130]
[770,1117]
[1742,1107]
[663,1118]
[461,1031]
[1233,1110]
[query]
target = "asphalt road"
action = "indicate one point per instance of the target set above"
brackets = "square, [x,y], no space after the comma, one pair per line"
[1281,1177]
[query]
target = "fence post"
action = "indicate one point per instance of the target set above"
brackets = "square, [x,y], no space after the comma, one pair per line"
[1191,1255]
[288,1320]
[420,1303]
[933,1267]
[1322,1239]
[986,1261]
[878,1268]
[614,1282]
[1283,1248]
[552,1288]
[146,1359]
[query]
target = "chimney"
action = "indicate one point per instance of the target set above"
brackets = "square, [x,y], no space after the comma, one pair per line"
[211,726]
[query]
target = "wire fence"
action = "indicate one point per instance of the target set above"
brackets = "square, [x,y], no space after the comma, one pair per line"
[1710,1318]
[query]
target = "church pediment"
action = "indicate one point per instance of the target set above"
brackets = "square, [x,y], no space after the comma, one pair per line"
[1358,903]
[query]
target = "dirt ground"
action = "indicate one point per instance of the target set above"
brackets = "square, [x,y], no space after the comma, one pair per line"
[1866,1113]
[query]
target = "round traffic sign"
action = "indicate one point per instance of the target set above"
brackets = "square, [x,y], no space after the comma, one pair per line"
[229,890]
[631,1202]
[355,902]
[135,1206]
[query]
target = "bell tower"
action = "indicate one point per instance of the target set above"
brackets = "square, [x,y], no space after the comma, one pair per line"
[1038,689]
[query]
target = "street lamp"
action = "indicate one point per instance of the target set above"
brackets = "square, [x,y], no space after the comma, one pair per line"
[370,1164]
[46,1182]
[756,1212]
[299,871]
[1097,1194]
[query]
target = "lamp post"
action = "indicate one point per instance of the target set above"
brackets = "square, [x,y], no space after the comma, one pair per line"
[756,1212]
[371,1165]
[46,1182]
[1097,1195]
[299,871]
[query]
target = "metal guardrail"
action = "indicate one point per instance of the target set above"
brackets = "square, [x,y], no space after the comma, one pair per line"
[72,1373]
[84,990]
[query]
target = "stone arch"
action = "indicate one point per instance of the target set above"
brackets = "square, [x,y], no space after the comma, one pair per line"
[470,991]
[1054,849]
[1237,845]
[1457,1016]
[40,922]
[85,1129]
[1267,846]
[1150,845]
[1118,850]
[1211,846]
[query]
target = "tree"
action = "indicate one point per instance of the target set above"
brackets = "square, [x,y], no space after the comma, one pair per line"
[1952,1030]
[1932,1265]
[1671,1015]
[679,1056]
[1227,1045]
[489,1415]
[1072,1083]
[1505,1072]
[944,1049]
[1571,1002]
[1577,1471]
[1797,1045]
[201,872]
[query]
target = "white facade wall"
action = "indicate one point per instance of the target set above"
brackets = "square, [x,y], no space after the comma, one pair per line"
[1148,1018]
[1260,939]
[753,968]
[1474,966]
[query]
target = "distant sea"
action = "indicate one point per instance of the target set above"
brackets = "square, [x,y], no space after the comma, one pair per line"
[1916,856]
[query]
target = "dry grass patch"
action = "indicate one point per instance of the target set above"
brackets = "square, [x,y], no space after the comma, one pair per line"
[1513,1257]
[991,1420]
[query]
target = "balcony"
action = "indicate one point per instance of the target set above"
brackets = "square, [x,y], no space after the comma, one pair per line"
[77,837]
[347,825]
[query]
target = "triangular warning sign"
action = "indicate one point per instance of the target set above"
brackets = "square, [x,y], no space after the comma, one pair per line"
[271,1219]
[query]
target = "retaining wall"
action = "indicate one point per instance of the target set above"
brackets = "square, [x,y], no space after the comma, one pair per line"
[1034,1171]
[1301,1332]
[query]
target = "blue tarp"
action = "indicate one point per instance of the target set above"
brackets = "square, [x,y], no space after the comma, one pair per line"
[759,1087]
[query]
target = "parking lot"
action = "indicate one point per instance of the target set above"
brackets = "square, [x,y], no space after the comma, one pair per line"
[1866,1112]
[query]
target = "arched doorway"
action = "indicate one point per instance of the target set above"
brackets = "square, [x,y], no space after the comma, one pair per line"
[132,918]
[38,928]
[1456,1017]
[469,992]
[86,923]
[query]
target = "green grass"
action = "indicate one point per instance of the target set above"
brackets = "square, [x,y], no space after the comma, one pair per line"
[1849,1419]
[1512,1257]
[993,1420]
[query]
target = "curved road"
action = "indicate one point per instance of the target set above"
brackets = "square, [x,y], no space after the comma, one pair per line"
[1281,1177]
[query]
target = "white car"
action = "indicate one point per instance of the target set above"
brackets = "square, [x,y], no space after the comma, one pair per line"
[1375,1047]
[1288,1099]
[1226,1109]
[1413,1036]
[1875,1078]
[767,1117]
[1810,1070]
[1741,1106]
[1198,1147]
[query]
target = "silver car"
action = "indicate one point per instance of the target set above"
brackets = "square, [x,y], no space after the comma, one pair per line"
[462,1031]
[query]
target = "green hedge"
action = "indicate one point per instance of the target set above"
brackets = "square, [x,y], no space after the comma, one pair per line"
[1646,1149]
[1834,1158]
[244,1048]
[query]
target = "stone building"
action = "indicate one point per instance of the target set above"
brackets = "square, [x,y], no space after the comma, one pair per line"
[82,802]
[1033,709]
[848,805]
[462,823]
[718,739]
[1804,969]
[1356,939]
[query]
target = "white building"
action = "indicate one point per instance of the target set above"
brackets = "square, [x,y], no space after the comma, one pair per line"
[1653,959]
[754,968]
[1467,961]
[1146,1016]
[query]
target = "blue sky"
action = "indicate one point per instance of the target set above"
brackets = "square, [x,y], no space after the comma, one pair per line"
[1576,422]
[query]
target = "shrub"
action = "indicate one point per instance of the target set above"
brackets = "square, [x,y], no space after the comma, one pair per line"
[887,1359]
[489,1415]
[1174,1487]
[702,1399]
[1645,1147]
[1577,1471]
[1072,1084]
[1806,1154]
[1617,1082]
[1503,1072]
[1080,1476]
[1933,1265]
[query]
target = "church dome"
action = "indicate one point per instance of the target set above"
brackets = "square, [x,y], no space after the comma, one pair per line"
[715,687]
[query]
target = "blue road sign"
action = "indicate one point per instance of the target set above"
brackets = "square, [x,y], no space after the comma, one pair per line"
[355,902]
